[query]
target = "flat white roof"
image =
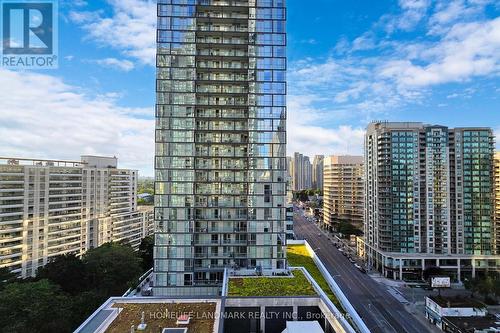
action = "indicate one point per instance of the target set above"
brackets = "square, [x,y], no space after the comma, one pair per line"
[303,326]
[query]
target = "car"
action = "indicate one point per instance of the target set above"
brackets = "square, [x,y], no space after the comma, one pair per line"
[357,266]
[352,260]
[319,235]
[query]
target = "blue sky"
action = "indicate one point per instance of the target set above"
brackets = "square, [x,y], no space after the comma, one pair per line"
[350,62]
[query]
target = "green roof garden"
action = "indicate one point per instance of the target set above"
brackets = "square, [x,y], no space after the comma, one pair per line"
[298,256]
[296,285]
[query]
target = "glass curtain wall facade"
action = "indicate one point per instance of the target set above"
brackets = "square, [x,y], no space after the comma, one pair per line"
[220,142]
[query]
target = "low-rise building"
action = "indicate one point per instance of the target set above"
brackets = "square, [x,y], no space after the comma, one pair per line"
[439,307]
[52,207]
[486,324]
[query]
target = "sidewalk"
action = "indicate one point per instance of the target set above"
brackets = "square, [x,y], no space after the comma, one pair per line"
[387,282]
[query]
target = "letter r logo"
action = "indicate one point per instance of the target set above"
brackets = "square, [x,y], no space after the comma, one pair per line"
[28,28]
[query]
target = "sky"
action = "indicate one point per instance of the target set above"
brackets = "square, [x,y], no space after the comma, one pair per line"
[349,63]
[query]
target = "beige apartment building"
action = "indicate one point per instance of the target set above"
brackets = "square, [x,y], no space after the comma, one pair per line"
[343,191]
[49,208]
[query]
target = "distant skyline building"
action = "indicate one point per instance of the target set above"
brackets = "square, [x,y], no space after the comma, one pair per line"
[220,143]
[343,194]
[301,170]
[496,175]
[429,199]
[317,171]
[50,207]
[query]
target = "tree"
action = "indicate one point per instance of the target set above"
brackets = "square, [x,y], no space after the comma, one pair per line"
[68,272]
[146,252]
[6,276]
[485,286]
[469,285]
[34,307]
[496,287]
[84,304]
[429,272]
[112,268]
[347,229]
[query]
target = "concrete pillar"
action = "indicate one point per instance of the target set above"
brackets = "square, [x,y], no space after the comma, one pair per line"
[459,273]
[400,269]
[423,267]
[473,262]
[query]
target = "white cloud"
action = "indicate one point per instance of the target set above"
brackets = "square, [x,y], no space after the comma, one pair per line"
[412,13]
[356,88]
[130,28]
[467,50]
[120,64]
[43,117]
[309,133]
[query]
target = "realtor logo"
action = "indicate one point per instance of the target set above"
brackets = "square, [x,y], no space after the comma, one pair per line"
[29,33]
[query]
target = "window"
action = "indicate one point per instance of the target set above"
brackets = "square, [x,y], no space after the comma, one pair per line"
[267,193]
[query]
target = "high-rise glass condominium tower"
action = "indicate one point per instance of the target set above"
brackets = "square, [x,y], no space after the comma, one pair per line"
[429,198]
[220,142]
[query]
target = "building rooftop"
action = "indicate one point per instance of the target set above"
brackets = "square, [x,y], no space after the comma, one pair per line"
[295,285]
[456,302]
[470,324]
[117,315]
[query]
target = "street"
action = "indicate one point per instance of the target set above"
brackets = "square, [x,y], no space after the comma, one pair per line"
[378,308]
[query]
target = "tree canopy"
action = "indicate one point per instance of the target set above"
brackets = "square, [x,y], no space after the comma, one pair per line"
[146,252]
[38,306]
[112,268]
[68,289]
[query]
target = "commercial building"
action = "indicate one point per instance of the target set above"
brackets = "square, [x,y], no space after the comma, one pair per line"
[317,171]
[343,191]
[429,200]
[439,309]
[49,208]
[220,142]
[301,171]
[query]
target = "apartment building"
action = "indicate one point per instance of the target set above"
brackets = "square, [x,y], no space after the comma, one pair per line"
[220,142]
[343,194]
[301,171]
[429,199]
[496,177]
[49,208]
[317,171]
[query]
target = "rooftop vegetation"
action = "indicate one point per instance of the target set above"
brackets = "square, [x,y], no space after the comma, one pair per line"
[298,285]
[298,256]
